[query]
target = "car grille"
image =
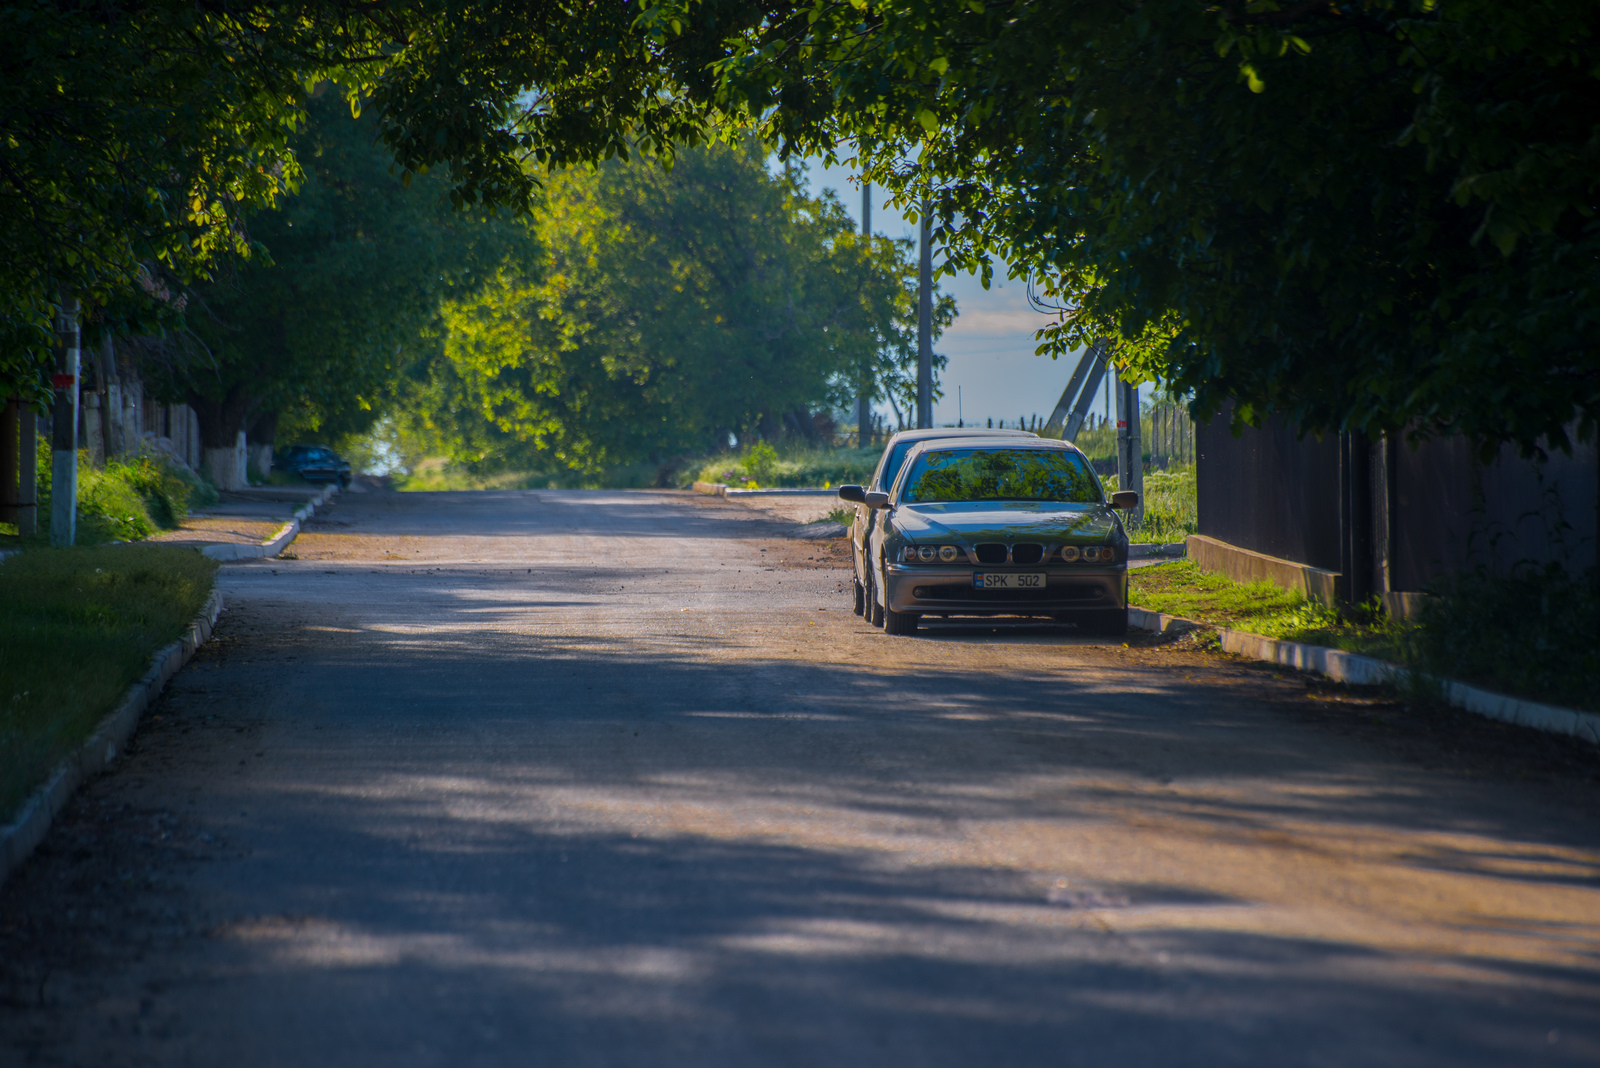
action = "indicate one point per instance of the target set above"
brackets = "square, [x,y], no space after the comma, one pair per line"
[990,553]
[1027,553]
[1070,591]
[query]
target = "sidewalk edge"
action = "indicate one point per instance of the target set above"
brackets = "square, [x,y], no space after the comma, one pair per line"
[226,551]
[1358,670]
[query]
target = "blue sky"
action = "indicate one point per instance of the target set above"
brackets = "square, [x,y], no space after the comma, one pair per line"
[991,344]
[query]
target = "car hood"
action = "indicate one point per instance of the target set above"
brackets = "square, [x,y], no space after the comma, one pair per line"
[1005,520]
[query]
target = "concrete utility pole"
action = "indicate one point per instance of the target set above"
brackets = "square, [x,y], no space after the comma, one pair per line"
[925,323]
[864,399]
[64,429]
[1130,452]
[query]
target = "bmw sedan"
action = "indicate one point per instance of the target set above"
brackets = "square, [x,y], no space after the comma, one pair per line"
[894,455]
[999,528]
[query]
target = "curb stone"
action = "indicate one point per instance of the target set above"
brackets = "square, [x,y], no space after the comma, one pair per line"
[818,531]
[280,541]
[19,838]
[1361,670]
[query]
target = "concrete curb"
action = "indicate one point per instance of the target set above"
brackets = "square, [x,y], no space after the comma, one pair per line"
[722,489]
[19,838]
[1139,550]
[278,542]
[819,531]
[1361,670]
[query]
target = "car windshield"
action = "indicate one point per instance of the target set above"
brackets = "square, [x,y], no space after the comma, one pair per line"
[991,474]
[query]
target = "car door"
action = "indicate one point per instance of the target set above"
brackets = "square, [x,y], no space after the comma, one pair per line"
[861,528]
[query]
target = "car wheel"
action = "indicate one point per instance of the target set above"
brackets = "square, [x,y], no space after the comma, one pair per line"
[861,598]
[874,609]
[901,623]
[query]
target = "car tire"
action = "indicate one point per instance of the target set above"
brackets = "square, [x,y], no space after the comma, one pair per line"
[900,623]
[1109,625]
[874,609]
[861,598]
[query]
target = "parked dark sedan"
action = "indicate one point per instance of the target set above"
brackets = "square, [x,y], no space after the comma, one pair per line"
[315,463]
[990,527]
[894,454]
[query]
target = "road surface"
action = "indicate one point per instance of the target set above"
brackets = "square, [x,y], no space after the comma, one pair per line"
[606,778]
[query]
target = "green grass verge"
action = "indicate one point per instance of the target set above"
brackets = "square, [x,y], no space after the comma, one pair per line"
[128,499]
[1182,589]
[1171,506]
[793,466]
[77,626]
[1528,634]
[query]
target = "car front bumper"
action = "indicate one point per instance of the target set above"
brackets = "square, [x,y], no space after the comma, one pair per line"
[949,591]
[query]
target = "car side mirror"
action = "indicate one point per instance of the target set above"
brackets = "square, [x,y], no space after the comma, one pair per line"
[853,494]
[1127,500]
[875,499]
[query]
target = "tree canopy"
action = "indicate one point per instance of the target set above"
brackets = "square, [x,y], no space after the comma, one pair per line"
[649,312]
[1366,214]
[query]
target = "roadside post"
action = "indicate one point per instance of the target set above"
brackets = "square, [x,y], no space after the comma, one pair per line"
[864,396]
[1130,453]
[925,324]
[64,429]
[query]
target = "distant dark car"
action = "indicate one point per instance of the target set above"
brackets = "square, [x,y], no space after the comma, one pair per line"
[315,463]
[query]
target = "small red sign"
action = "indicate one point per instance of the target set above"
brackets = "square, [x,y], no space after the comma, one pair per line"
[1122,424]
[63,381]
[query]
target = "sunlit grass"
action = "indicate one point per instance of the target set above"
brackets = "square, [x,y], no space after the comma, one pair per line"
[1182,589]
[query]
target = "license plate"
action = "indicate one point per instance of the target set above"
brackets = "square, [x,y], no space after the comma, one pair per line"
[1007,580]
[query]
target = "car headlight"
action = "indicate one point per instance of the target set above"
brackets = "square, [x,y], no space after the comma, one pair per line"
[947,554]
[927,553]
[910,554]
[1070,553]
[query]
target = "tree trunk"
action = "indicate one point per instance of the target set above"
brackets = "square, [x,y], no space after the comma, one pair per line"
[222,438]
[262,435]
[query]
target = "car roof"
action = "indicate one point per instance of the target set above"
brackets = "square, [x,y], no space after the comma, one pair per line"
[955,432]
[935,444]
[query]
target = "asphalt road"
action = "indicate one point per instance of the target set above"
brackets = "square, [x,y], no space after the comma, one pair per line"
[566,778]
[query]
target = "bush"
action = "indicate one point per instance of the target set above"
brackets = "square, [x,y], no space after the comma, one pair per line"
[1530,633]
[127,500]
[760,461]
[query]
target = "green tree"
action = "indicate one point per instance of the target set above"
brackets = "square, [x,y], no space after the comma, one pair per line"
[1360,213]
[349,298]
[1374,214]
[651,312]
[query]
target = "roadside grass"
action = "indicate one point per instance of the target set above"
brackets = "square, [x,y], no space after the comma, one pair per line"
[1171,505]
[128,499]
[1529,634]
[1182,589]
[789,466]
[77,626]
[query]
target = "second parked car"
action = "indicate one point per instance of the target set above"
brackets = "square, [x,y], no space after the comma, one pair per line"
[315,463]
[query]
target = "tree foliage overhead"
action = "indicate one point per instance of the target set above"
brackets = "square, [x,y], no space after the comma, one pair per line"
[650,312]
[348,299]
[1360,213]
[1365,214]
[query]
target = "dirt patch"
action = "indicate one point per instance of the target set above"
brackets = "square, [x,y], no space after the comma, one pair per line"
[229,529]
